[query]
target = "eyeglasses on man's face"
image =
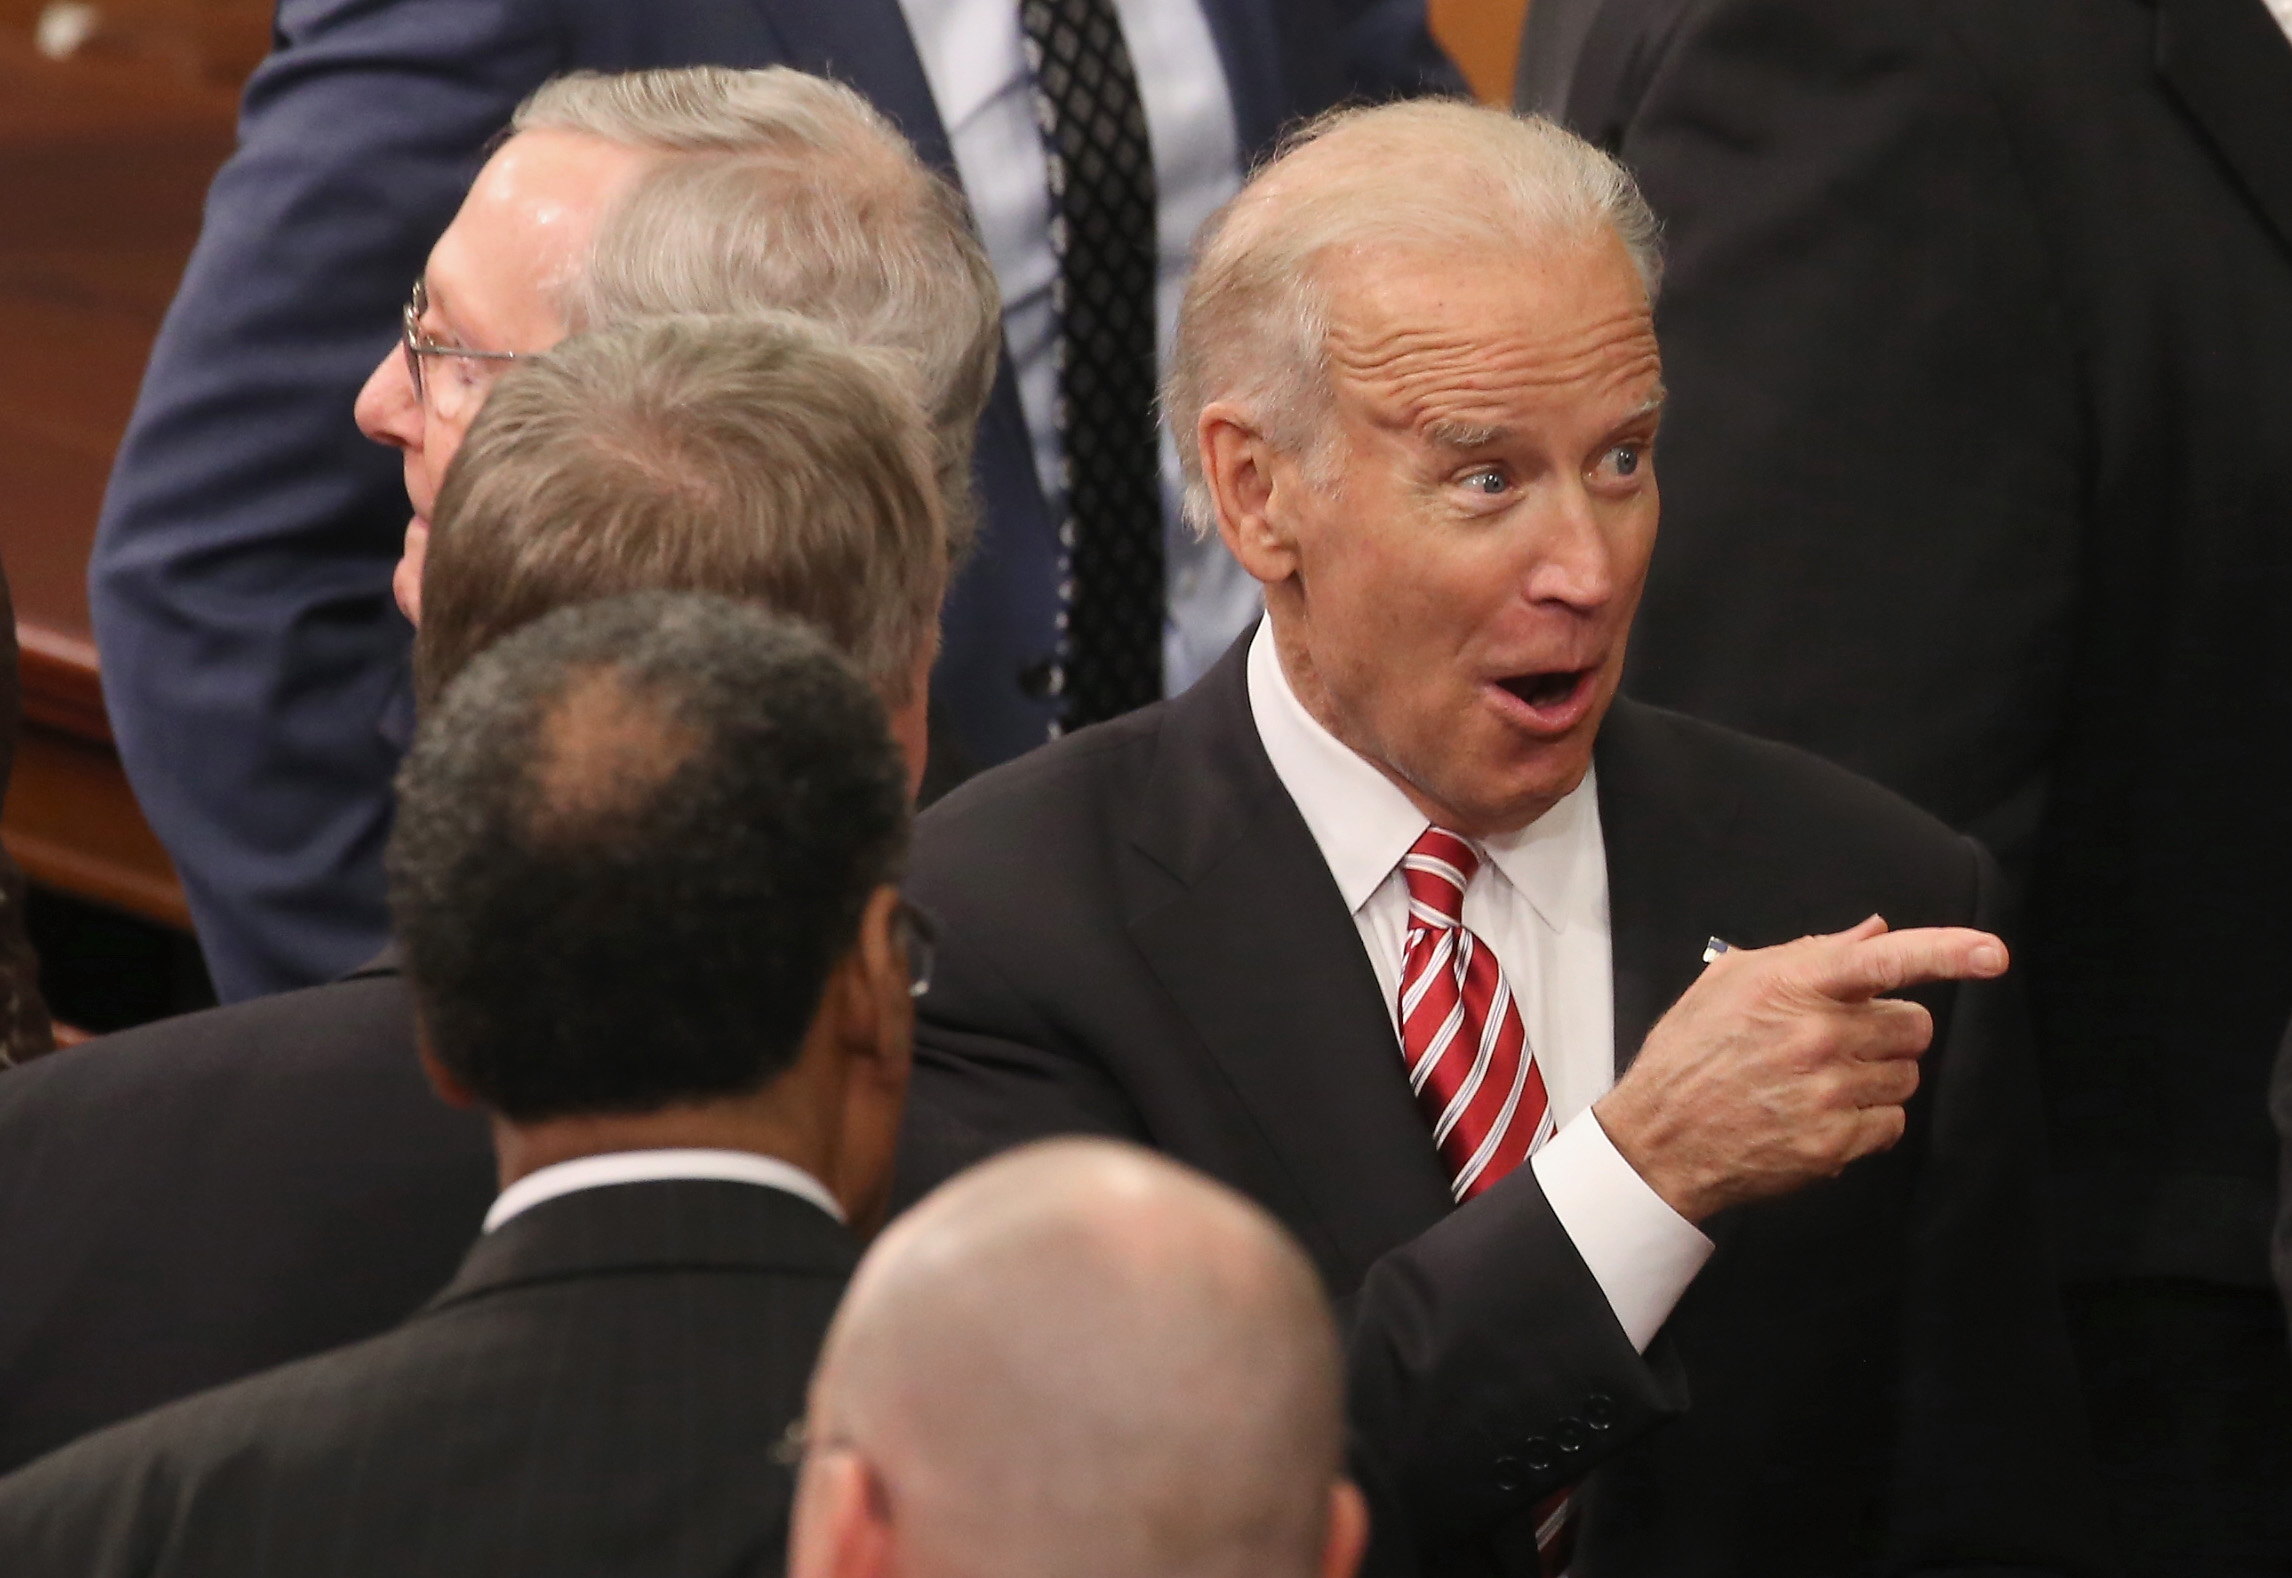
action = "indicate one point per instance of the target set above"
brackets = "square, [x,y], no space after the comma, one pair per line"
[454,397]
[919,939]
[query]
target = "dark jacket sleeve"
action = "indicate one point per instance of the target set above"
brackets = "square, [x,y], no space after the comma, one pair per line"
[254,664]
[1390,53]
[1485,1366]
[1486,1370]
[2280,1106]
[1994,1472]
[1871,453]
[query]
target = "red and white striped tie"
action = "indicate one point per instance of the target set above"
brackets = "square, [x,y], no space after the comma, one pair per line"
[1474,1074]
[1469,1062]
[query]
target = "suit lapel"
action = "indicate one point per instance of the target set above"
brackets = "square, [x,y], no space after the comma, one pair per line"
[1260,954]
[2230,65]
[1549,51]
[1666,893]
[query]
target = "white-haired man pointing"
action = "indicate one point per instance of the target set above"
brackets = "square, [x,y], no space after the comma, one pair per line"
[1400,922]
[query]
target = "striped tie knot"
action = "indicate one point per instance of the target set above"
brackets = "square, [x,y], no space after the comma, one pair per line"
[1438,868]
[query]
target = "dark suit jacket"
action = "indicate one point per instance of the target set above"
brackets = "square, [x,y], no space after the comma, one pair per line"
[600,1390]
[1139,937]
[187,1203]
[254,664]
[1978,331]
[2280,1103]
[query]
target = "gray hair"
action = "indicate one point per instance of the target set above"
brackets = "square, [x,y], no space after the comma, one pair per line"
[1083,1357]
[789,192]
[1429,174]
[759,458]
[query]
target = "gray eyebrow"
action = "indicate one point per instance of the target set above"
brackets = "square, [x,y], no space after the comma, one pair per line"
[1465,435]
[1451,434]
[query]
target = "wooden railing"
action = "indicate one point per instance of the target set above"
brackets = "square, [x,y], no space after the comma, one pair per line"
[105,156]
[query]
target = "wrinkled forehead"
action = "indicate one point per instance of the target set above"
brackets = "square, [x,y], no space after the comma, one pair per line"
[525,227]
[1493,335]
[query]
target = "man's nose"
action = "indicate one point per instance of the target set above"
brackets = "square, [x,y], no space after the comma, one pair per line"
[1575,562]
[388,411]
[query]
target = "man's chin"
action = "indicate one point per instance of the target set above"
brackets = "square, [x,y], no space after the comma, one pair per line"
[1500,786]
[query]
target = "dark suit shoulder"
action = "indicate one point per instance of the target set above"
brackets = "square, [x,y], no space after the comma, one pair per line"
[1052,824]
[1802,821]
[201,1198]
[339,1021]
[1081,776]
[517,1396]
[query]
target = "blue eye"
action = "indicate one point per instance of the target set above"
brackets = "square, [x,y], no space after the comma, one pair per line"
[1627,458]
[1486,480]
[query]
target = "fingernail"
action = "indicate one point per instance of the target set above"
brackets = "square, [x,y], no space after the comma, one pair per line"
[1990,957]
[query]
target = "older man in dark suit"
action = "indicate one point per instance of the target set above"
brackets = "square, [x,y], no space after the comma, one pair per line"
[1977,330]
[198,1199]
[692,1131]
[1397,924]
[254,669]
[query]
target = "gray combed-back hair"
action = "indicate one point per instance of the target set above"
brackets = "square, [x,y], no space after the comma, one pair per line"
[759,458]
[1438,175]
[788,192]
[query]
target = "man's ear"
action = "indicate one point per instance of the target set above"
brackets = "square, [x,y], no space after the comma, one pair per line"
[881,1023]
[406,579]
[442,1079]
[911,723]
[1239,466]
[841,1527]
[1348,1538]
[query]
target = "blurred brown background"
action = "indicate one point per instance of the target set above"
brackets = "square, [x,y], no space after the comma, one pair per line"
[113,117]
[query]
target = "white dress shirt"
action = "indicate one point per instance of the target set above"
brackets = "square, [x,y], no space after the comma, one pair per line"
[627,1167]
[972,57]
[2283,13]
[1540,902]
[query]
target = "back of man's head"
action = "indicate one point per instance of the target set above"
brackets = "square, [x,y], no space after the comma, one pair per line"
[1082,1358]
[779,191]
[758,457]
[633,839]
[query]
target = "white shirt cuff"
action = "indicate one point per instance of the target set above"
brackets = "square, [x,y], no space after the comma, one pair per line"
[1640,1251]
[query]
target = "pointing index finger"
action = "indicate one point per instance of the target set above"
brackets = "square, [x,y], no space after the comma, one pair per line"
[1866,967]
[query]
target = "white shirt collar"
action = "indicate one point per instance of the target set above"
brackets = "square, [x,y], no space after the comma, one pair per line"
[626,1167]
[1365,824]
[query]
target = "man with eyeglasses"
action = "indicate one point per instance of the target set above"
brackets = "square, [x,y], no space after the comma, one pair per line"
[253,666]
[692,1138]
[187,1203]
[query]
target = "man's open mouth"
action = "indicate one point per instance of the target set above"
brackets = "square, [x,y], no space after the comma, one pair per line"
[1552,688]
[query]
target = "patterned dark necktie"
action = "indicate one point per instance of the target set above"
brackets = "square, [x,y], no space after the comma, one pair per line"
[1111,583]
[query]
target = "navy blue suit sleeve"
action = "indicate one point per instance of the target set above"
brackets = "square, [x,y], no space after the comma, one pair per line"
[1390,53]
[254,664]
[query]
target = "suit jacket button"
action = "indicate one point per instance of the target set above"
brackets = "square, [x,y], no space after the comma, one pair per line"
[1538,1454]
[1569,1436]
[1508,1474]
[1600,1411]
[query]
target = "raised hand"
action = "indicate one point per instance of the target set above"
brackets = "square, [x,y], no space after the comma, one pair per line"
[1782,1065]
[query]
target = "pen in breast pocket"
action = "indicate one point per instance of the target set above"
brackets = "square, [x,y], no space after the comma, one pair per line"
[1713,947]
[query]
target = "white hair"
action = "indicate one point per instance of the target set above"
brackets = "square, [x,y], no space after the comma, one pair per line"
[788,192]
[1426,175]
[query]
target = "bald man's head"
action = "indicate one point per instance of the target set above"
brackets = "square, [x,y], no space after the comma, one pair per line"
[1080,1358]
